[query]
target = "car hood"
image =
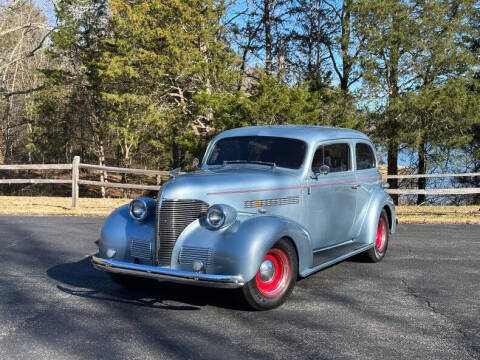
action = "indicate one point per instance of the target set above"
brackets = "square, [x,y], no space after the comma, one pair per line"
[233,185]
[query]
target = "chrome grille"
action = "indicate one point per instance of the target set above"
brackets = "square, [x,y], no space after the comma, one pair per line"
[272,202]
[189,254]
[173,216]
[141,249]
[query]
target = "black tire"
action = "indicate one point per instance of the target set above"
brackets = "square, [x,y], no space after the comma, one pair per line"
[254,293]
[132,282]
[377,253]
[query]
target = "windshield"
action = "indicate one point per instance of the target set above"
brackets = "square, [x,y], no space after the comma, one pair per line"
[267,150]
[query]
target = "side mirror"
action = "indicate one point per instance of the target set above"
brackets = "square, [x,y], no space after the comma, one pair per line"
[195,163]
[324,169]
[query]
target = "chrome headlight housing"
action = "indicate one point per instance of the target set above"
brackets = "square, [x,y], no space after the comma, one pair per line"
[220,215]
[141,208]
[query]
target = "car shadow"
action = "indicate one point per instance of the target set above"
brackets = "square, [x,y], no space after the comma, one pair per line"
[83,280]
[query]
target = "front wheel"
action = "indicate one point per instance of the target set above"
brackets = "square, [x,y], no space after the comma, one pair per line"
[275,278]
[378,252]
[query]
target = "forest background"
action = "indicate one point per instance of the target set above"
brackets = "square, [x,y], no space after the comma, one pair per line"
[137,83]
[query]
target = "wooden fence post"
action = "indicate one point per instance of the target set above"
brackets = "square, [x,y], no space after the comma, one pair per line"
[75,163]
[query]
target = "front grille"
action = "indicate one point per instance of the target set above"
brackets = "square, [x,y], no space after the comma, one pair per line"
[141,249]
[189,254]
[173,216]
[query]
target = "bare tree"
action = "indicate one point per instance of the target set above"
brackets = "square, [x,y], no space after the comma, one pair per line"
[24,30]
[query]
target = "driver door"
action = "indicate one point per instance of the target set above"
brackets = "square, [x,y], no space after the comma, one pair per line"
[331,198]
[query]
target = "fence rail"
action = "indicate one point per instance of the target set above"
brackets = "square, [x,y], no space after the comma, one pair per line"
[75,180]
[76,165]
[418,176]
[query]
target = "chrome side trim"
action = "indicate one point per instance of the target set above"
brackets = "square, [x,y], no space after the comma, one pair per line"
[336,260]
[334,246]
[162,273]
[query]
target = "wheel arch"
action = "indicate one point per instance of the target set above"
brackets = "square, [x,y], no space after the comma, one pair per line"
[294,246]
[276,229]
[380,201]
[389,216]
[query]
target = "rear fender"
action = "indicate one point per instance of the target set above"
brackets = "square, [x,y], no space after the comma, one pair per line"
[380,199]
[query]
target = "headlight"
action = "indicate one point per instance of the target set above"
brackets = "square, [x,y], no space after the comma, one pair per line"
[141,208]
[220,215]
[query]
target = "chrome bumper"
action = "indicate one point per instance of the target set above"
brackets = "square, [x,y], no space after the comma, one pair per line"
[162,273]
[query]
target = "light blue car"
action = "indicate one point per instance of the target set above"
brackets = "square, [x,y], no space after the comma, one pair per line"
[268,205]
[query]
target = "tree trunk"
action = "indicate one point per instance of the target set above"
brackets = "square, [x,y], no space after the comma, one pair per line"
[421,170]
[175,160]
[103,174]
[267,23]
[392,125]
[392,168]
[281,60]
[476,183]
[344,43]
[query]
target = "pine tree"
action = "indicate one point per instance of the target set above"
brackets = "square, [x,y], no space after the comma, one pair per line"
[161,55]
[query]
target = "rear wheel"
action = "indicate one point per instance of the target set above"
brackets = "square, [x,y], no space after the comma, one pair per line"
[275,278]
[378,252]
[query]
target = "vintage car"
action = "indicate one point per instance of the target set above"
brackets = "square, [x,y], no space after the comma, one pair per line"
[267,205]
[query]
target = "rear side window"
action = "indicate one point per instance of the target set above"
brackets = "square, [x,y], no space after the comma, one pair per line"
[335,156]
[365,156]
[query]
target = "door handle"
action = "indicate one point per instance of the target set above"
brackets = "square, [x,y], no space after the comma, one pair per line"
[355,187]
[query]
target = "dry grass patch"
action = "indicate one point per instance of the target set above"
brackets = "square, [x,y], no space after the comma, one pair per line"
[25,205]
[411,214]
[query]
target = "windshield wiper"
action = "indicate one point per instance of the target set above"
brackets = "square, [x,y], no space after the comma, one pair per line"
[272,164]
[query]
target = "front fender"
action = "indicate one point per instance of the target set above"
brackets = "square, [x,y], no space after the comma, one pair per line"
[118,231]
[380,199]
[240,248]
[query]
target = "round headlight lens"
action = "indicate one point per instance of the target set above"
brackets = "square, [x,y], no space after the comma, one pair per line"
[215,217]
[138,209]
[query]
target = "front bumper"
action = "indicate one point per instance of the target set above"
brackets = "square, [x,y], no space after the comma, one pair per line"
[162,273]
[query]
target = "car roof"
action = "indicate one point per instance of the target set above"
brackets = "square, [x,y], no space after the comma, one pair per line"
[308,133]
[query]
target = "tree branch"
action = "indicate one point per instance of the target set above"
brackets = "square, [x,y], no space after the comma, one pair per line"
[25,26]
[22,92]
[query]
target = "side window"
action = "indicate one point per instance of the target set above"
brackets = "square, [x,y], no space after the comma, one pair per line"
[335,156]
[365,156]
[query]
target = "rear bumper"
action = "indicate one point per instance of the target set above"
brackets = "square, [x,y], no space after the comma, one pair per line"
[162,273]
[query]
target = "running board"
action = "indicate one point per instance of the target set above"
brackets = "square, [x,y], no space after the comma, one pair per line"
[336,260]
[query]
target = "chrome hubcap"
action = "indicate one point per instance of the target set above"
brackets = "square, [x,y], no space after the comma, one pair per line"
[267,270]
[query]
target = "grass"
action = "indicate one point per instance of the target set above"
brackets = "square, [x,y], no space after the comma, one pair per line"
[411,214]
[24,205]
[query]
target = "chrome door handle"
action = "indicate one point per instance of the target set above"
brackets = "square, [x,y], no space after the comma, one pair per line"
[355,187]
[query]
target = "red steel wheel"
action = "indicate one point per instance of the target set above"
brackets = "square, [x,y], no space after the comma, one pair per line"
[378,252]
[273,274]
[274,279]
[381,234]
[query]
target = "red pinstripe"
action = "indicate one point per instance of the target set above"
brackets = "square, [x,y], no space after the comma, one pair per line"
[294,187]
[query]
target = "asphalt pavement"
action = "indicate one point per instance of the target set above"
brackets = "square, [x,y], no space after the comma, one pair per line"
[421,302]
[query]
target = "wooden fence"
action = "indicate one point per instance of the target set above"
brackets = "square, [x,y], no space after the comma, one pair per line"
[76,165]
[75,180]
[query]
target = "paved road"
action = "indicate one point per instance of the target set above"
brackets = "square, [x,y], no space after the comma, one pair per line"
[422,301]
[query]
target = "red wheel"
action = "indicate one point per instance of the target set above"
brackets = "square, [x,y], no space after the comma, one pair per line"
[381,240]
[382,230]
[273,274]
[275,278]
